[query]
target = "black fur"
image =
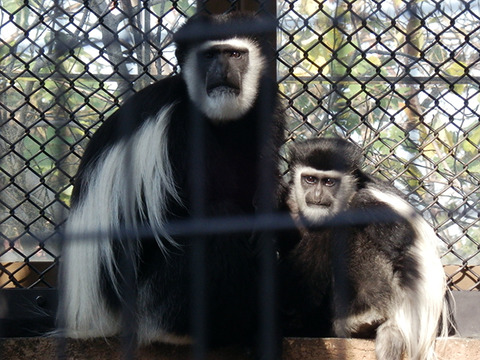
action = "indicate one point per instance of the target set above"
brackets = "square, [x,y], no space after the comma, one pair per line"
[233,165]
[331,272]
[328,154]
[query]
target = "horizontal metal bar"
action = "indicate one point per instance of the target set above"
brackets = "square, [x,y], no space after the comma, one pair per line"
[251,223]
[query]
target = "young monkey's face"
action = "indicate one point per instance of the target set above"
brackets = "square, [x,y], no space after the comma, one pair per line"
[317,194]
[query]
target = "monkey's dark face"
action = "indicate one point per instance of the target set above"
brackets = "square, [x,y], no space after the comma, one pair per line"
[317,194]
[320,189]
[223,77]
[223,68]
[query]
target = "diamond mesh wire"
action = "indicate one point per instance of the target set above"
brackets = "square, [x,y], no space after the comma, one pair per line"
[64,68]
[400,78]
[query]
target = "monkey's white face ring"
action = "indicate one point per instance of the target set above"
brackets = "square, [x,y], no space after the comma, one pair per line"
[224,104]
[316,213]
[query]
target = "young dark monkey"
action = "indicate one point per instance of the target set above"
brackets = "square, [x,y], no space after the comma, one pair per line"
[381,279]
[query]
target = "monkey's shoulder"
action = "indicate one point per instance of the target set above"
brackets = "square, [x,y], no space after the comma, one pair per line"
[169,90]
[372,191]
[384,232]
[140,107]
[147,102]
[129,117]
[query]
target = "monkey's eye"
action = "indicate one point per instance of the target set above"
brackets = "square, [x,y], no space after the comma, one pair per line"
[310,179]
[329,182]
[235,54]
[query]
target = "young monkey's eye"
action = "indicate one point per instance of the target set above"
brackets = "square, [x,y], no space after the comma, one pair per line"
[310,179]
[329,182]
[235,54]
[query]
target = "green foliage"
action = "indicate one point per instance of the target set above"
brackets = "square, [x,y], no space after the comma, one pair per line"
[65,67]
[345,68]
[395,88]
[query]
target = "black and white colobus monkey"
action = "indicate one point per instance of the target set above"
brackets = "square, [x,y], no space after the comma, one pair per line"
[139,178]
[392,284]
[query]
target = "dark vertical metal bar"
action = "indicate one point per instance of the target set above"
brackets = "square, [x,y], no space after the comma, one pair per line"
[198,243]
[270,339]
[59,49]
[215,6]
[127,255]
[127,278]
[198,277]
[339,249]
[268,334]
[342,291]
[3,314]
[125,238]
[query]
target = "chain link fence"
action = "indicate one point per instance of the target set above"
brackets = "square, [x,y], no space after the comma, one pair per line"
[65,67]
[400,78]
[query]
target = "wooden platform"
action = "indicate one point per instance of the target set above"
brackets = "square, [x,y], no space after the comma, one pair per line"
[23,305]
[294,349]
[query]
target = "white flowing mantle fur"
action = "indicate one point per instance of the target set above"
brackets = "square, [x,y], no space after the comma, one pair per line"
[416,313]
[140,163]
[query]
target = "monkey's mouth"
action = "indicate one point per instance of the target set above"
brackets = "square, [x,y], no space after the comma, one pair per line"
[222,88]
[315,205]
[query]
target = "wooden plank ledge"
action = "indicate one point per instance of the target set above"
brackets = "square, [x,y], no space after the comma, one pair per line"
[360,349]
[294,349]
